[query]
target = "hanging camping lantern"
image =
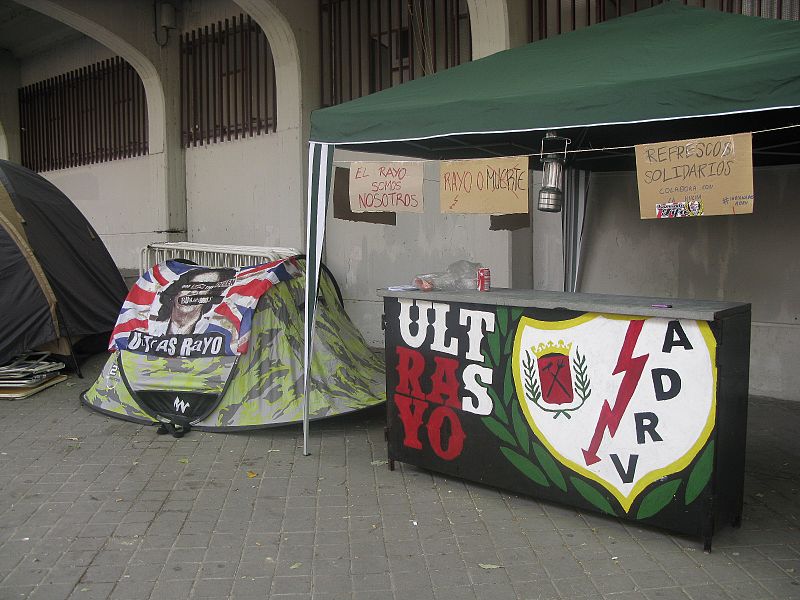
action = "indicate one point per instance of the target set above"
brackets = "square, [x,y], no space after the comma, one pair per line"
[551,195]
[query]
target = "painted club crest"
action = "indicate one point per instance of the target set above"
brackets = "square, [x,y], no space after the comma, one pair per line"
[555,391]
[623,401]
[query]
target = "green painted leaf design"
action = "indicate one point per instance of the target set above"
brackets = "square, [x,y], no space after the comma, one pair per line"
[549,465]
[508,385]
[497,428]
[592,495]
[502,320]
[700,475]
[520,428]
[499,409]
[509,346]
[654,501]
[516,313]
[526,467]
[494,348]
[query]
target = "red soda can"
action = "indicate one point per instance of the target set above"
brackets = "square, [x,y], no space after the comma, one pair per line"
[484,279]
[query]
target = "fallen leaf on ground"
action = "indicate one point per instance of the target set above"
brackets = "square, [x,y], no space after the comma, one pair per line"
[488,566]
[72,439]
[379,462]
[251,474]
[296,565]
[183,461]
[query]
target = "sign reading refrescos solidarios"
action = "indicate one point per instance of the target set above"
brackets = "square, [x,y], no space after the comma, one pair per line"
[386,186]
[696,177]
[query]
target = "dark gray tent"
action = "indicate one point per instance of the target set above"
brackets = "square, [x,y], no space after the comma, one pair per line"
[57,279]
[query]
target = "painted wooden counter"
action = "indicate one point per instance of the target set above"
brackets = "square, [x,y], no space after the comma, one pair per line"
[632,407]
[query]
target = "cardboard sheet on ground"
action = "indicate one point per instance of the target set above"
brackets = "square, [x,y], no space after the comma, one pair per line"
[696,177]
[486,186]
[386,187]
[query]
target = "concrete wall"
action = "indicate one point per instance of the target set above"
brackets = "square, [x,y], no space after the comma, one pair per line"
[238,192]
[247,191]
[364,257]
[119,198]
[750,258]
[9,107]
[123,199]
[63,59]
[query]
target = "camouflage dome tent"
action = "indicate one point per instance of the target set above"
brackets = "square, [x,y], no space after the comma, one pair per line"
[260,388]
[58,279]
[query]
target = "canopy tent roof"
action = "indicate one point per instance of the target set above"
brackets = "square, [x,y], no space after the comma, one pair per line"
[668,72]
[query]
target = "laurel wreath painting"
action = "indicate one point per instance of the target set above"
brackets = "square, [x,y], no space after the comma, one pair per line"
[522,449]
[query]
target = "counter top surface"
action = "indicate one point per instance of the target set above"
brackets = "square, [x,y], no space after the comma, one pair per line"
[703,310]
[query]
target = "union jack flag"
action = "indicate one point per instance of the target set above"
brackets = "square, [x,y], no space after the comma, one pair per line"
[227,308]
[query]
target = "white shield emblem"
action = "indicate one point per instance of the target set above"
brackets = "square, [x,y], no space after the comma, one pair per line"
[624,401]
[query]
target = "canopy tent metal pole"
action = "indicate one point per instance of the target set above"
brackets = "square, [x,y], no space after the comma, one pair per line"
[320,165]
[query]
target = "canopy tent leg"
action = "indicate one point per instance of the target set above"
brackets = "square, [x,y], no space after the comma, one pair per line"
[320,165]
[573,218]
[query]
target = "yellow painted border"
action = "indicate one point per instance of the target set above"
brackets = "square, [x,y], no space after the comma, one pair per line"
[674,467]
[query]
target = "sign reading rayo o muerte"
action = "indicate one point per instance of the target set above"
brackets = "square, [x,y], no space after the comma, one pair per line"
[623,401]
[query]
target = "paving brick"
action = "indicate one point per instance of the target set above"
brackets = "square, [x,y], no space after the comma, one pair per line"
[52,591]
[119,515]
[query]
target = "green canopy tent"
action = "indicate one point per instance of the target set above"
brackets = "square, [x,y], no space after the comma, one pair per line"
[670,72]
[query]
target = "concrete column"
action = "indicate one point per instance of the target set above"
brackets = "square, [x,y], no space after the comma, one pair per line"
[490,26]
[293,36]
[9,108]
[497,25]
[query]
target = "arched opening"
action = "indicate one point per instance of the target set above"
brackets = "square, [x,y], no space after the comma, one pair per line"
[286,57]
[154,91]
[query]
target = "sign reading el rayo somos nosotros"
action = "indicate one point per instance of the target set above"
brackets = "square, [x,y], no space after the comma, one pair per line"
[696,177]
[386,187]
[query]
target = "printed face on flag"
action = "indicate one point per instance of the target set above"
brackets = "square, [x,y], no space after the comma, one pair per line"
[184,310]
[187,299]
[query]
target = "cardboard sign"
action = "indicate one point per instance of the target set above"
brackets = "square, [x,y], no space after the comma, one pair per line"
[695,178]
[492,186]
[386,187]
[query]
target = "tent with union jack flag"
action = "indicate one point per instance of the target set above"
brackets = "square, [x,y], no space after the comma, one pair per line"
[222,349]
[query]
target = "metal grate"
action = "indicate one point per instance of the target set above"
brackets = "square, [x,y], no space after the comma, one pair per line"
[227,82]
[211,255]
[547,18]
[370,45]
[91,115]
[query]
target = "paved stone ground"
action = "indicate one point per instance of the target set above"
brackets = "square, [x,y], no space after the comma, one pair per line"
[94,508]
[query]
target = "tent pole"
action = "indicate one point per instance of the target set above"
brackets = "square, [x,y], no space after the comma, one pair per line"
[320,165]
[67,336]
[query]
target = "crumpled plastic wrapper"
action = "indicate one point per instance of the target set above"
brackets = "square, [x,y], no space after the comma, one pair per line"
[461,275]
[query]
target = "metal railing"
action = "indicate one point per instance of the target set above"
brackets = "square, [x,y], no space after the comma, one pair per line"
[371,45]
[91,115]
[547,18]
[227,82]
[211,255]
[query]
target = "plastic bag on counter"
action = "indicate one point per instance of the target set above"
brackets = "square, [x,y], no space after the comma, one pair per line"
[461,275]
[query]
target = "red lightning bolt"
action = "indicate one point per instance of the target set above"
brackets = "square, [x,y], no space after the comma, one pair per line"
[633,366]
